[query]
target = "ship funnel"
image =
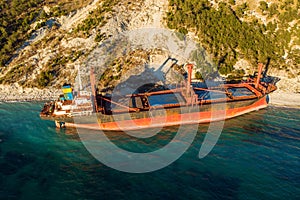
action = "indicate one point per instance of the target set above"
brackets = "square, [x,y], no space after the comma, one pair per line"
[260,67]
[67,90]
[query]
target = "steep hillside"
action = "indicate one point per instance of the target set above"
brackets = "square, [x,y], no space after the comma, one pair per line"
[58,43]
[241,33]
[42,41]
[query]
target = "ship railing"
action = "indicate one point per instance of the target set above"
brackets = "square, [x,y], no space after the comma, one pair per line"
[82,113]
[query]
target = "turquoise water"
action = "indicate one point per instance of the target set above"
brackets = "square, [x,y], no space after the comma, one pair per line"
[256,157]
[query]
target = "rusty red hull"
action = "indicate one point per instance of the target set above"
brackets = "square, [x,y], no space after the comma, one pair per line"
[202,116]
[186,103]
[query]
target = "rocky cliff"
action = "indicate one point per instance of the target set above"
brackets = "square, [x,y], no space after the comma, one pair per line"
[59,43]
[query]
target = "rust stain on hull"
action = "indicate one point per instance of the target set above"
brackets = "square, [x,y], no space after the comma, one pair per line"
[175,119]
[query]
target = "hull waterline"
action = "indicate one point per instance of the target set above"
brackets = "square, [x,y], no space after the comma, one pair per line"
[171,120]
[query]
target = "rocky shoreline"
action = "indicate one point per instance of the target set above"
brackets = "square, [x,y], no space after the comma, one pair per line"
[285,99]
[15,93]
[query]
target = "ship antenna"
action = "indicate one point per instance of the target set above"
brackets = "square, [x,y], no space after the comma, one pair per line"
[79,77]
[93,87]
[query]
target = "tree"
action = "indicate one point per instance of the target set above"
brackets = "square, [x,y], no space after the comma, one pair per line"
[198,75]
[263,6]
[273,10]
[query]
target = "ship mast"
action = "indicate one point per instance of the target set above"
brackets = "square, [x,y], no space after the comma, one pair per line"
[190,70]
[260,67]
[79,77]
[93,87]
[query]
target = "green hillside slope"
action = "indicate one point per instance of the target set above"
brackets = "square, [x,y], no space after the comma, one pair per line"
[230,31]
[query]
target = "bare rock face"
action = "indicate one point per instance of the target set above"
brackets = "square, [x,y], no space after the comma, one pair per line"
[14,92]
[58,47]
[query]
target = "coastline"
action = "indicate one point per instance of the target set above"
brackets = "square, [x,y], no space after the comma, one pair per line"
[15,93]
[285,99]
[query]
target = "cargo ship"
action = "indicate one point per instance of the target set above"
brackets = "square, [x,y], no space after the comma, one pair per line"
[186,103]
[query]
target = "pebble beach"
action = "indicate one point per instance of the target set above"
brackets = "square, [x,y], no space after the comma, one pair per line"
[15,93]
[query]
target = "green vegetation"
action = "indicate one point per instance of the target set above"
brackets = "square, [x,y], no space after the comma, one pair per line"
[15,19]
[55,66]
[198,75]
[100,37]
[96,18]
[263,6]
[45,77]
[119,67]
[17,16]
[16,73]
[228,38]
[228,32]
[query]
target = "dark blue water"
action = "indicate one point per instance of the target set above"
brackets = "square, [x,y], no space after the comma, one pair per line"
[256,157]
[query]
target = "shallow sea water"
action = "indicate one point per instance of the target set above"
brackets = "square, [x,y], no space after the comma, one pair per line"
[256,157]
